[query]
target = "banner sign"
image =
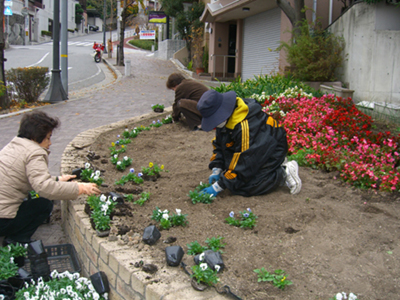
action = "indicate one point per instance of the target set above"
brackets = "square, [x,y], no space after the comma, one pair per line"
[147,34]
[157,17]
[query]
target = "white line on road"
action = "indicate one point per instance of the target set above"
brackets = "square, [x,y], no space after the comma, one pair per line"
[98,72]
[39,60]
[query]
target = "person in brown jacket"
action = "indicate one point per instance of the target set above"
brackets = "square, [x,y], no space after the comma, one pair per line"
[187,93]
[23,168]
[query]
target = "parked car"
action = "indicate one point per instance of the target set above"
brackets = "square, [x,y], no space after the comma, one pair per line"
[93,27]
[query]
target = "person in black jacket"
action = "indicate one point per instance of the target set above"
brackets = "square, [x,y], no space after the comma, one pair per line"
[250,147]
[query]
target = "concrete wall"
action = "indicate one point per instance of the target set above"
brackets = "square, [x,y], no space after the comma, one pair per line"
[167,48]
[372,67]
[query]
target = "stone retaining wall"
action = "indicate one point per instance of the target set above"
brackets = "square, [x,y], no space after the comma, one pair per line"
[116,260]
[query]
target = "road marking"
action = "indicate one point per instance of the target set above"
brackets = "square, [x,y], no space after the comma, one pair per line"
[98,72]
[39,60]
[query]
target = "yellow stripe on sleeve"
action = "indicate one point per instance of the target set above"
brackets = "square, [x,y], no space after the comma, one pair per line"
[234,161]
[245,135]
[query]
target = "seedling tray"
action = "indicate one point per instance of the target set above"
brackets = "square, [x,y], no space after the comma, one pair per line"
[61,258]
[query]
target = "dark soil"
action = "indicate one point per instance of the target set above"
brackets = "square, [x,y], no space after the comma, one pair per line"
[328,238]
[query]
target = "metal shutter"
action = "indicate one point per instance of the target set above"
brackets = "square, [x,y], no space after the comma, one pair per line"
[261,32]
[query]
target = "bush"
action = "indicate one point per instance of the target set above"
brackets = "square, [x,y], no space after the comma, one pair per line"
[315,54]
[268,84]
[48,33]
[144,44]
[29,83]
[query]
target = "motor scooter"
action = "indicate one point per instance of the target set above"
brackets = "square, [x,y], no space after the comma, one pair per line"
[98,51]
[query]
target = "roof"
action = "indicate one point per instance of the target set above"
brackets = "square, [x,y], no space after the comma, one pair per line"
[226,10]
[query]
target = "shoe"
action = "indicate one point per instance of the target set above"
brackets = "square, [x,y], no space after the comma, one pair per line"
[196,128]
[293,180]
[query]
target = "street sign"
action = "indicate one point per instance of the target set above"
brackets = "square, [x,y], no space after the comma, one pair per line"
[147,34]
[24,11]
[8,3]
[8,11]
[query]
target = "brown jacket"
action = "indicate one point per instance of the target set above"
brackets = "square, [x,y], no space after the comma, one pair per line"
[23,168]
[191,90]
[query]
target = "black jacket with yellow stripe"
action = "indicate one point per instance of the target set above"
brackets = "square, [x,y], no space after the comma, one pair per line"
[250,149]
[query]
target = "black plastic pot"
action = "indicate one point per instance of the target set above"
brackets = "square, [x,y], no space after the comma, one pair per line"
[19,261]
[174,255]
[119,200]
[151,235]
[100,282]
[7,290]
[77,172]
[212,259]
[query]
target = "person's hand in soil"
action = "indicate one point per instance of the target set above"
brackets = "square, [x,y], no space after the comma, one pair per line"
[88,189]
[66,177]
[213,190]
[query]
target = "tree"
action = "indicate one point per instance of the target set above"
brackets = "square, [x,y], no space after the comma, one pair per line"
[129,10]
[187,20]
[78,13]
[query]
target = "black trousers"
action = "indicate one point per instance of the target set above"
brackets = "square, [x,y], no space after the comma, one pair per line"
[31,214]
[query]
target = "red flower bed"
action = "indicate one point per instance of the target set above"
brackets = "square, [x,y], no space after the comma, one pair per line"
[331,133]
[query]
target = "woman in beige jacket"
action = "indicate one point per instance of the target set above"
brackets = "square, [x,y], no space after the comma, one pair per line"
[23,168]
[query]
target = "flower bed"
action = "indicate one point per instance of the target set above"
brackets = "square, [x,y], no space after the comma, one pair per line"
[292,233]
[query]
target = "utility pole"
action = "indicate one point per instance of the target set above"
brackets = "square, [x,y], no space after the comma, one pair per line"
[26,40]
[104,27]
[64,45]
[56,91]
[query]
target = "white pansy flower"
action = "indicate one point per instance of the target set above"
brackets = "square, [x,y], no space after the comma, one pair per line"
[217,268]
[96,296]
[87,166]
[105,295]
[103,198]
[165,216]
[339,296]
[11,259]
[115,198]
[97,173]
[178,211]
[352,296]
[166,211]
[119,163]
[91,176]
[96,178]
[126,157]
[344,295]
[115,155]
[104,207]
[201,257]
[108,202]
[63,291]
[203,266]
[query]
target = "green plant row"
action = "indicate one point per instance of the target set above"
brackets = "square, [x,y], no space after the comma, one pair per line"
[267,84]
[144,44]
